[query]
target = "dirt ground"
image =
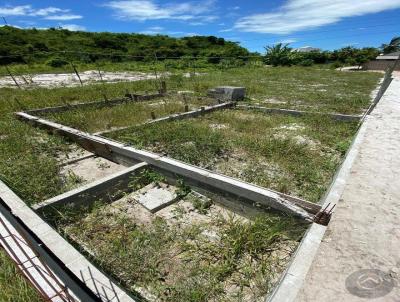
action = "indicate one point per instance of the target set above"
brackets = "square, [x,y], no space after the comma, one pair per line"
[364,233]
[52,80]
[80,166]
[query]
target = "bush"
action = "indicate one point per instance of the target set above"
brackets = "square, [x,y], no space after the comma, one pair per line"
[337,64]
[306,62]
[56,62]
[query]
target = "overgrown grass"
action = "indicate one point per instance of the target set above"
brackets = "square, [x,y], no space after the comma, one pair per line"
[176,261]
[307,88]
[127,114]
[295,155]
[13,286]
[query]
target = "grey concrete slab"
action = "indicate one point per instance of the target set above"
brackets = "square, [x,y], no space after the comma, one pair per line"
[156,196]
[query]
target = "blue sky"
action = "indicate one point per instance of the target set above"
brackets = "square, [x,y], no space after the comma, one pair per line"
[327,24]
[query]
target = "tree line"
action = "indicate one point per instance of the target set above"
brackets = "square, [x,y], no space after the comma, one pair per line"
[283,55]
[55,46]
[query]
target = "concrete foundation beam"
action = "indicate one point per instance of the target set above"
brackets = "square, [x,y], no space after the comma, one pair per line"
[338,117]
[179,116]
[63,259]
[118,151]
[108,188]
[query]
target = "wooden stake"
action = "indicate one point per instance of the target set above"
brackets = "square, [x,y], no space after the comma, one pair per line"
[15,81]
[77,74]
[163,87]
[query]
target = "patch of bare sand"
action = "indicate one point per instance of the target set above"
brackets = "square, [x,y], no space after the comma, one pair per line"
[89,169]
[52,80]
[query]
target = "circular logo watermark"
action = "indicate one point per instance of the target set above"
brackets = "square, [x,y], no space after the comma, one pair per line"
[369,283]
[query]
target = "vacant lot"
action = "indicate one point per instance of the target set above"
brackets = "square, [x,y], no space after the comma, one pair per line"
[29,157]
[294,155]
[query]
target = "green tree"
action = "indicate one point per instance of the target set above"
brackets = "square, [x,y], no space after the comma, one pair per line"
[278,55]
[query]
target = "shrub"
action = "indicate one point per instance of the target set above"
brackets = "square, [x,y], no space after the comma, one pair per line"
[337,64]
[56,62]
[306,62]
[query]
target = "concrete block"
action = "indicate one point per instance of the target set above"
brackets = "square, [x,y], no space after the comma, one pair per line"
[154,196]
[228,93]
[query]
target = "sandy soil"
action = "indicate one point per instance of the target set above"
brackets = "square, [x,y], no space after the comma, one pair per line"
[54,80]
[364,232]
[51,80]
[90,169]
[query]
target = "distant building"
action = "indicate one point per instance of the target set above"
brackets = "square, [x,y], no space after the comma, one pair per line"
[307,49]
[383,61]
[389,56]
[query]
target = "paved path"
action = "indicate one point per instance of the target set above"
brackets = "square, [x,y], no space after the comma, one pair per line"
[365,230]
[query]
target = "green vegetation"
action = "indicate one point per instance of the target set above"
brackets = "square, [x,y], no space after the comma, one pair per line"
[57,47]
[185,253]
[293,155]
[29,155]
[13,286]
[92,120]
[283,55]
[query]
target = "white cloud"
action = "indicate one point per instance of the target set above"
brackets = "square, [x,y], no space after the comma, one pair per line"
[298,15]
[73,27]
[154,30]
[21,10]
[49,10]
[158,30]
[287,41]
[142,10]
[63,17]
[49,13]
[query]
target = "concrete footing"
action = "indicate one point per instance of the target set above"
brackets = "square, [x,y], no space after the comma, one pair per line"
[338,117]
